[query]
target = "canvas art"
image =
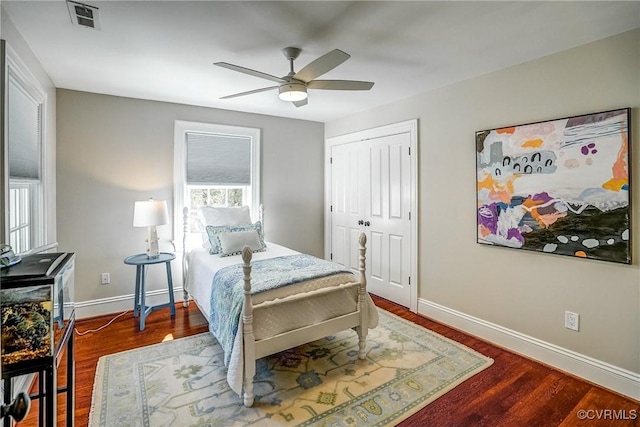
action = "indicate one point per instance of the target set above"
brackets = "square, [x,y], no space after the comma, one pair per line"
[558,187]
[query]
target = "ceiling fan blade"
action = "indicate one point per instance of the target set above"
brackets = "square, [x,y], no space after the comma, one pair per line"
[339,85]
[250,92]
[324,64]
[301,103]
[250,72]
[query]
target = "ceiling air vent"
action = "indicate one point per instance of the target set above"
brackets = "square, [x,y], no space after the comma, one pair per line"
[83,15]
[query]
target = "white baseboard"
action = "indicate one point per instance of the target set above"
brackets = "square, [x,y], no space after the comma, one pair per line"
[606,375]
[99,307]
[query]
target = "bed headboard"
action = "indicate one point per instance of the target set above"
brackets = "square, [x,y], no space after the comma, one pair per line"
[186,232]
[185,224]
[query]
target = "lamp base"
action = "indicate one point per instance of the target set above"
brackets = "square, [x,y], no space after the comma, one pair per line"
[152,243]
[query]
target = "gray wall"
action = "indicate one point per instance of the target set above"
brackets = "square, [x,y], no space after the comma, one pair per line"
[533,290]
[113,151]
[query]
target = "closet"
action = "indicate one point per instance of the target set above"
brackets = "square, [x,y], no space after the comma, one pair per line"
[372,188]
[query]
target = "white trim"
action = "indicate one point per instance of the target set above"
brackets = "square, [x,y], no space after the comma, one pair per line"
[30,85]
[44,248]
[410,127]
[118,304]
[4,145]
[604,374]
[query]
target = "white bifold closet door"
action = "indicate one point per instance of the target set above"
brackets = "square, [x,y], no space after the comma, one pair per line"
[371,192]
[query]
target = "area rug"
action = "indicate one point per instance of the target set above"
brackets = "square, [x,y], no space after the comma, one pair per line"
[182,382]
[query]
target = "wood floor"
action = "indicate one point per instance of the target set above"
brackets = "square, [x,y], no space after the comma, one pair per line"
[513,392]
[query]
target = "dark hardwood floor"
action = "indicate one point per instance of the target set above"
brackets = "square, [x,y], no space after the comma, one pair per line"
[514,391]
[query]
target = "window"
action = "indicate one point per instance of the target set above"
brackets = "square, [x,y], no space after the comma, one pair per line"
[217,170]
[24,145]
[20,218]
[215,165]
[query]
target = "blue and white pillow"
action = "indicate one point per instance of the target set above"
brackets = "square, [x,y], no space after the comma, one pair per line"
[214,237]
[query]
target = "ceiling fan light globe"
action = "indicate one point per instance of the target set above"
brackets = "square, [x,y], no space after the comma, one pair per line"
[292,92]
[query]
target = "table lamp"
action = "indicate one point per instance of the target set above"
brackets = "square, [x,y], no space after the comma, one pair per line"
[151,213]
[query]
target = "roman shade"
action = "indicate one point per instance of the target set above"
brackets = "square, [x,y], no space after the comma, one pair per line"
[215,159]
[24,133]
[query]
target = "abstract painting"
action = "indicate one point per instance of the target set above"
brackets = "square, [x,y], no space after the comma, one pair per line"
[558,187]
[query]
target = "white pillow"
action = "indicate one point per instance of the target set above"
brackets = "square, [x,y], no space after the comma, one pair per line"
[237,215]
[232,243]
[219,216]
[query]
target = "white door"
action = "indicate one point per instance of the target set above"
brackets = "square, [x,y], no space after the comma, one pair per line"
[371,192]
[347,210]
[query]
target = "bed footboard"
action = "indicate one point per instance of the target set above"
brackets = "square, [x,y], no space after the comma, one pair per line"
[357,320]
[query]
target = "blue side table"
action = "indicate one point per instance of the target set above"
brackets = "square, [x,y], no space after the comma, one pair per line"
[140,261]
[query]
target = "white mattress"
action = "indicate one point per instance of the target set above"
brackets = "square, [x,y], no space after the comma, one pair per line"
[203,266]
[270,321]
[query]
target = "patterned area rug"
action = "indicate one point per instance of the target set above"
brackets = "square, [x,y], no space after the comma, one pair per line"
[183,382]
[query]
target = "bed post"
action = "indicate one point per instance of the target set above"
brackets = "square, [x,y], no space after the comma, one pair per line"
[185,230]
[247,330]
[363,329]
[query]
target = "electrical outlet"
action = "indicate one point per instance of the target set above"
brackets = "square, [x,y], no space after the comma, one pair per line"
[572,320]
[105,278]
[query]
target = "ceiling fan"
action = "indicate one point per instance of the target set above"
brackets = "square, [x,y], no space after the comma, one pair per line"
[293,87]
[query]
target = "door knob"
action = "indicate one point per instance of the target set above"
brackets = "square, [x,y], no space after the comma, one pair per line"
[18,409]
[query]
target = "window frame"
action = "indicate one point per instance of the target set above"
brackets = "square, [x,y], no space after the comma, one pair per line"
[179,167]
[15,70]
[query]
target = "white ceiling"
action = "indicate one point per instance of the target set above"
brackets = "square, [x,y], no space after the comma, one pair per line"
[165,50]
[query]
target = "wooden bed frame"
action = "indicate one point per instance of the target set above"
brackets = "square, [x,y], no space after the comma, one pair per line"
[254,349]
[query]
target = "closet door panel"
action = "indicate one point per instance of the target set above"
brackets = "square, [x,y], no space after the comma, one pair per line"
[387,220]
[348,172]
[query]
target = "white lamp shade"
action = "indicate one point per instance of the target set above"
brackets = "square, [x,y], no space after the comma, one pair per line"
[150,213]
[292,92]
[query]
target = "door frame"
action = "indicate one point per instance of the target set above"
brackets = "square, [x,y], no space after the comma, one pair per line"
[410,127]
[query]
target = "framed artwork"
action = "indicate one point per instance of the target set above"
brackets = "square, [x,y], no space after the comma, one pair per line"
[558,187]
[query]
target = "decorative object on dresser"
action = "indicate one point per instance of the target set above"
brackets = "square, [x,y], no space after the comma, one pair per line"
[558,187]
[320,383]
[7,257]
[151,213]
[269,295]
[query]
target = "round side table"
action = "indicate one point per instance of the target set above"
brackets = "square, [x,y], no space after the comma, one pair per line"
[141,261]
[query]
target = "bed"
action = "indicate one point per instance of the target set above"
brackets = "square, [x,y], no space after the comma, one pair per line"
[259,316]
